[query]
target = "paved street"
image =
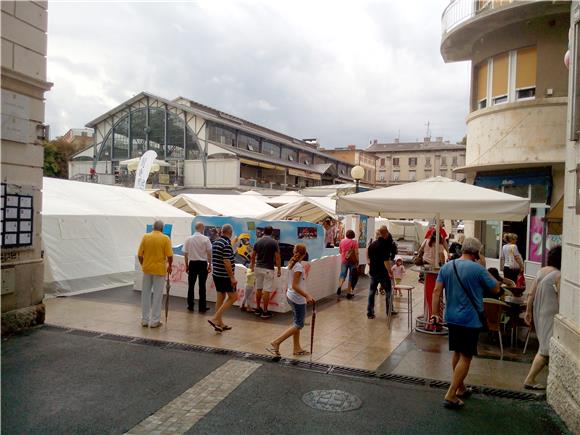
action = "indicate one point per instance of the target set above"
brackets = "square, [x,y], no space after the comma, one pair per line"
[54,381]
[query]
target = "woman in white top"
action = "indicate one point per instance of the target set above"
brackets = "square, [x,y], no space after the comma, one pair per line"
[510,260]
[298,297]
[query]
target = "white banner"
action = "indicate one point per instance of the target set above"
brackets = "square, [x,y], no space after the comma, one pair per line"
[144,168]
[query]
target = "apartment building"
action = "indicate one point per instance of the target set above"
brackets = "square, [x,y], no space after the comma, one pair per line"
[357,157]
[516,143]
[404,162]
[23,81]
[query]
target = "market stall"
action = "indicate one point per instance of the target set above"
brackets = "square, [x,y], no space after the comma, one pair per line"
[439,198]
[220,205]
[304,209]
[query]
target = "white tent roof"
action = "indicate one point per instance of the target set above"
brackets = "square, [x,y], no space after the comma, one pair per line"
[220,205]
[285,198]
[91,233]
[304,209]
[435,196]
[253,193]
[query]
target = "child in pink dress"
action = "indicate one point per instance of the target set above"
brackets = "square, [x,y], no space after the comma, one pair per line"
[398,273]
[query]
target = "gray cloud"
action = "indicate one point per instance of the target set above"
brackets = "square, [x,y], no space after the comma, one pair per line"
[342,72]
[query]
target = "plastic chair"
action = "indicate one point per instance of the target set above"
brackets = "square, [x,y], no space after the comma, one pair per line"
[494,310]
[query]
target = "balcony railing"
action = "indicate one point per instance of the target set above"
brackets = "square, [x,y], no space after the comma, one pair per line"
[459,11]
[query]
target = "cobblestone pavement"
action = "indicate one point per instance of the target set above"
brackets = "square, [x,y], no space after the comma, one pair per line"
[183,412]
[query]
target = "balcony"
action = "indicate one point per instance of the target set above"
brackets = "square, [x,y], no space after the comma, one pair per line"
[464,22]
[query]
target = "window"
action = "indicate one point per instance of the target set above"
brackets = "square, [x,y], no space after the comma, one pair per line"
[121,146]
[270,149]
[248,142]
[396,175]
[395,161]
[157,131]
[499,87]
[138,142]
[289,154]
[428,162]
[305,158]
[412,175]
[319,160]
[382,176]
[454,161]
[412,161]
[481,85]
[382,162]
[526,73]
[443,161]
[341,169]
[221,134]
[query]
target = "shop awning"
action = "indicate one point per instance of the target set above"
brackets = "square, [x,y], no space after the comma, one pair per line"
[556,213]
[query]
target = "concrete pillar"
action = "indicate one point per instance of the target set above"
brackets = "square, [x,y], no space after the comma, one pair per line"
[24,26]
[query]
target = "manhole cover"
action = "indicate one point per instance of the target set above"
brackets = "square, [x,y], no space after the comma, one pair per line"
[332,400]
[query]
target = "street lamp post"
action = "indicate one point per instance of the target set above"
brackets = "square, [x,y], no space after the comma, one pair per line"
[358,173]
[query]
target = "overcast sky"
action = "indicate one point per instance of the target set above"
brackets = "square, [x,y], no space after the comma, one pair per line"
[344,72]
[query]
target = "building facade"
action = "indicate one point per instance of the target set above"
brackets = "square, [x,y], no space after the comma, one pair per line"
[404,162]
[24,26]
[564,377]
[203,147]
[516,125]
[79,137]
[354,156]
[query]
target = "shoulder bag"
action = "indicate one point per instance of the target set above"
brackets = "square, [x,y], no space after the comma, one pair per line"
[480,314]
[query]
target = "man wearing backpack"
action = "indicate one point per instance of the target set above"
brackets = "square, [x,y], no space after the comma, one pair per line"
[348,249]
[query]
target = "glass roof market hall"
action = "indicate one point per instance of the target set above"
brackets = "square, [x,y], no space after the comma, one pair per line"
[201,147]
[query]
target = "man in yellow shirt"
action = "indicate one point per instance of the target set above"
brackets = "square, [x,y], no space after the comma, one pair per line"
[154,253]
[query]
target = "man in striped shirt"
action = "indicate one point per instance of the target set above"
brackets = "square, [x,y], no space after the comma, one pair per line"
[223,277]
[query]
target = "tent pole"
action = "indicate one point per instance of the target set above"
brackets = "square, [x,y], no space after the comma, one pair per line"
[437,235]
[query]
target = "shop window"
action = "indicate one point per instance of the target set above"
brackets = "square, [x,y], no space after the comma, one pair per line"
[539,194]
[521,191]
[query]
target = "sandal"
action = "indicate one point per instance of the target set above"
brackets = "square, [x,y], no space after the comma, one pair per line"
[273,351]
[466,393]
[226,328]
[453,405]
[302,352]
[535,387]
[217,328]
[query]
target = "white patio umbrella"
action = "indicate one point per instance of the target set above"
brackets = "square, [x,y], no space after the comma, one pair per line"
[133,164]
[437,197]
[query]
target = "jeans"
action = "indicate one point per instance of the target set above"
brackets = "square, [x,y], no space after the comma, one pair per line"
[350,270]
[152,284]
[196,269]
[298,314]
[385,283]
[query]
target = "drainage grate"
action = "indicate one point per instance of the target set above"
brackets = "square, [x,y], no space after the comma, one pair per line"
[115,337]
[444,385]
[149,342]
[351,371]
[55,328]
[402,379]
[311,366]
[83,333]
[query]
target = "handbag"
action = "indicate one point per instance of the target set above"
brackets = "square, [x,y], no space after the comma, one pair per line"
[480,314]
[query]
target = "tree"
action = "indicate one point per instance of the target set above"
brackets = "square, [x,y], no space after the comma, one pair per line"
[464,140]
[56,156]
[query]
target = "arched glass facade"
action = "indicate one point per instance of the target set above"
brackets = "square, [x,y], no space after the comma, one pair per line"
[150,128]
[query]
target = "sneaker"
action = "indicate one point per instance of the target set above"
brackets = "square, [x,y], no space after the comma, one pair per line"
[144,324]
[258,311]
[394,313]
[203,310]
[339,291]
[190,309]
[370,316]
[266,315]
[349,295]
[156,325]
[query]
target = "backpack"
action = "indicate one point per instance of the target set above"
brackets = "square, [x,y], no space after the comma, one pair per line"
[351,256]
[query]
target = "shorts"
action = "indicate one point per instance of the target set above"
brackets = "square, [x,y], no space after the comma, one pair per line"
[347,268]
[223,285]
[463,340]
[264,278]
[298,314]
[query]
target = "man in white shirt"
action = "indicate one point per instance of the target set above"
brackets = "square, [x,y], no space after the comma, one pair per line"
[197,252]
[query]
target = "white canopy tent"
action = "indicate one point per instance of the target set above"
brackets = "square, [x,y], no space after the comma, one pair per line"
[436,197]
[304,209]
[285,198]
[91,233]
[408,230]
[220,205]
[253,193]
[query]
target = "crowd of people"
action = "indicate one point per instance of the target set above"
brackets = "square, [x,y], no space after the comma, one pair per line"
[462,277]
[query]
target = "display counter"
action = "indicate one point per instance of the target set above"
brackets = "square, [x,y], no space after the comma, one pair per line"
[321,281]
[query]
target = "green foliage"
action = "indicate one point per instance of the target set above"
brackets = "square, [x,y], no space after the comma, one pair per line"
[56,156]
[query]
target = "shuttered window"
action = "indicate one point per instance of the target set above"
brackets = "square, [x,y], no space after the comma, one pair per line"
[482,81]
[526,68]
[500,75]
